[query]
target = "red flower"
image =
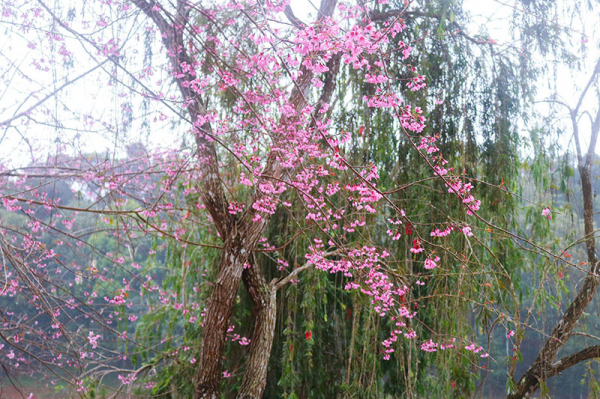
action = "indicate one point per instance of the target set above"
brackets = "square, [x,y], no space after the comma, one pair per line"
[309,334]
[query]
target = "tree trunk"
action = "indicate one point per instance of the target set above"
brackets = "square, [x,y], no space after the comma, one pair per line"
[264,301]
[543,367]
[239,236]
[216,322]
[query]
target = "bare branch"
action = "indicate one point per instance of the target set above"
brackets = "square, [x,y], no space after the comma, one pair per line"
[571,360]
[292,18]
[587,86]
[284,280]
[52,94]
[279,283]
[213,194]
[586,335]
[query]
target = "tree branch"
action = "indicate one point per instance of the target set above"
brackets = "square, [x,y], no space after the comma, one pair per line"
[284,280]
[212,192]
[571,360]
[292,18]
[542,367]
[587,86]
[50,95]
[378,16]
[279,283]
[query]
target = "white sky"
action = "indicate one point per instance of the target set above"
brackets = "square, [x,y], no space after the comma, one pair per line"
[91,95]
[492,17]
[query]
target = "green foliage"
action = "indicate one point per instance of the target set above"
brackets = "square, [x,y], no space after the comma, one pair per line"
[328,340]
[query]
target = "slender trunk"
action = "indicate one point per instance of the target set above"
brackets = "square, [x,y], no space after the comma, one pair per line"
[216,322]
[264,301]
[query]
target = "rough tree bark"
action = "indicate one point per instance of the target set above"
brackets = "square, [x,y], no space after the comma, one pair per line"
[263,297]
[239,235]
[544,366]
[263,294]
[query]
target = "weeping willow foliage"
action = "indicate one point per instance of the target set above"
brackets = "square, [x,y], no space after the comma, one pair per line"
[328,340]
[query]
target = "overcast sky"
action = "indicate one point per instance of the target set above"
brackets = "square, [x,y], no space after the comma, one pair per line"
[493,16]
[92,95]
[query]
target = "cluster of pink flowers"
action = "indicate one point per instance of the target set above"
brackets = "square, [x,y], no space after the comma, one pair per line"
[264,132]
[476,349]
